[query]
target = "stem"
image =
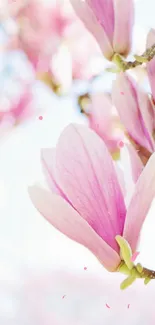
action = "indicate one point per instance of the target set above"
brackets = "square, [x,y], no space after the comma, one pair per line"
[141,272]
[148,273]
[123,65]
[137,272]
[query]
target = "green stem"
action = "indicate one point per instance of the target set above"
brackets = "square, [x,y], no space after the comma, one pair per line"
[137,272]
[123,65]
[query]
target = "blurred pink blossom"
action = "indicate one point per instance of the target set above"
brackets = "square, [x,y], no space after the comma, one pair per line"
[41,28]
[86,56]
[56,42]
[17,110]
[104,120]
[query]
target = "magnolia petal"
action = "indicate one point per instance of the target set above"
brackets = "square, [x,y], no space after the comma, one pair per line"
[140,204]
[87,16]
[151,64]
[136,163]
[104,13]
[132,168]
[121,180]
[124,20]
[124,95]
[102,120]
[100,113]
[89,180]
[147,114]
[64,218]
[48,164]
[138,266]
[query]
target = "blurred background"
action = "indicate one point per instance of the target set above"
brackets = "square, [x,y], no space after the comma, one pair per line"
[47,61]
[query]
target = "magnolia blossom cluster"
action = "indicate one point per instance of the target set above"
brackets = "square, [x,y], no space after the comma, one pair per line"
[87,201]
[55,41]
[58,48]
[64,41]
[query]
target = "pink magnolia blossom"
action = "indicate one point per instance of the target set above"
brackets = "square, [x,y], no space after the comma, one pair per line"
[135,110]
[110,21]
[151,64]
[88,205]
[104,120]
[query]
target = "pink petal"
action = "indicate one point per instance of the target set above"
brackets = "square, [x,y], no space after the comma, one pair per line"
[124,20]
[134,256]
[121,180]
[102,120]
[140,203]
[89,180]
[131,114]
[100,112]
[136,163]
[104,13]
[87,16]
[48,164]
[147,117]
[132,168]
[21,108]
[151,64]
[63,217]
